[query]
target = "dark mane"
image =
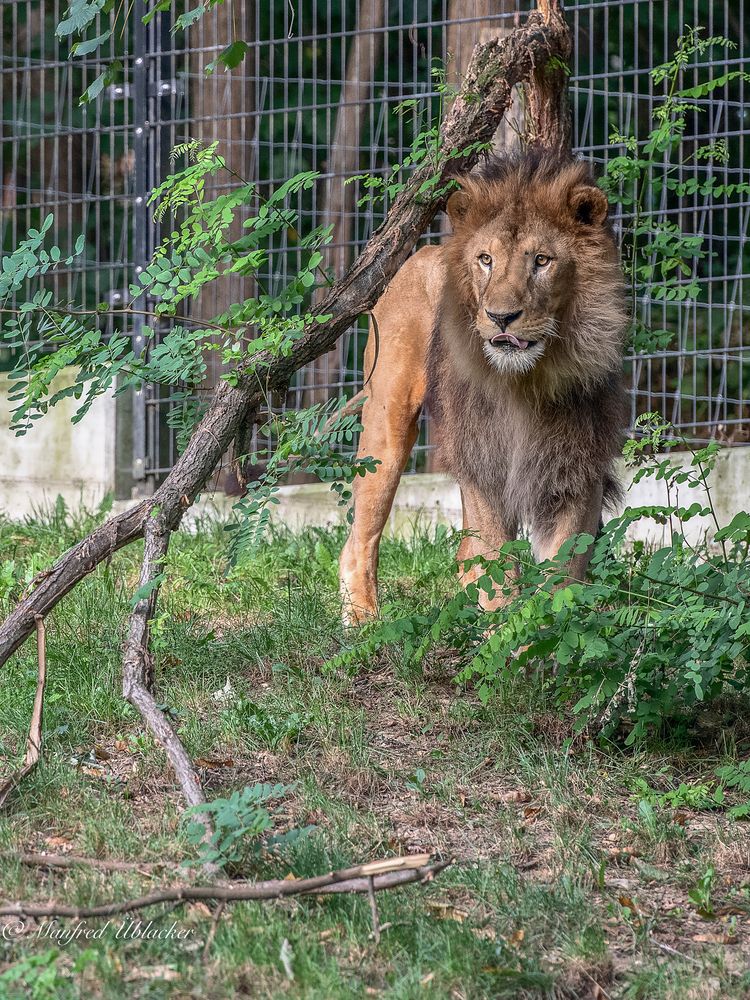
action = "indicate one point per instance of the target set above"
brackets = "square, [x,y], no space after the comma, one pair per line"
[538,165]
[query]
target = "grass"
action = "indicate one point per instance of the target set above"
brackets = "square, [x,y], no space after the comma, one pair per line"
[571,880]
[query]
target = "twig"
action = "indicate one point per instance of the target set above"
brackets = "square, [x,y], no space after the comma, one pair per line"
[34,739]
[379,875]
[673,951]
[212,930]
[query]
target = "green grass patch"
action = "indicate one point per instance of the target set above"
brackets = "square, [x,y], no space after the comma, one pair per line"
[583,868]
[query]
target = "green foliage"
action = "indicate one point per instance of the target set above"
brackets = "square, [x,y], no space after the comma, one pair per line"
[685,796]
[701,895]
[202,247]
[660,260]
[39,975]
[198,251]
[426,150]
[311,441]
[81,16]
[241,823]
[736,776]
[262,726]
[649,637]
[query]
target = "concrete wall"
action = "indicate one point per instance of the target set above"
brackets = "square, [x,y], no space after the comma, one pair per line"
[56,457]
[432,499]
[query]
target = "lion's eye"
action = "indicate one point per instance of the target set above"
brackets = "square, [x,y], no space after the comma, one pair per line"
[541,260]
[485,260]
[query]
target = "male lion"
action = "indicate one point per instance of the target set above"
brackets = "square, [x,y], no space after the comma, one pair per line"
[512,332]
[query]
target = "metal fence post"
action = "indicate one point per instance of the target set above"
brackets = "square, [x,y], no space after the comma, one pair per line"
[141,248]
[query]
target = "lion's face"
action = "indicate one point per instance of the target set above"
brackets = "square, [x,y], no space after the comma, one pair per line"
[520,282]
[525,256]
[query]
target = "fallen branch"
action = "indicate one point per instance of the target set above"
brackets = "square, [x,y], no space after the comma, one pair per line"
[373,877]
[34,739]
[495,68]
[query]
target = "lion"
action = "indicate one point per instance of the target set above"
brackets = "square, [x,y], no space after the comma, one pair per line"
[512,334]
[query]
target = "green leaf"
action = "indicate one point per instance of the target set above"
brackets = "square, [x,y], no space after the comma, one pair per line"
[79,16]
[230,57]
[104,79]
[90,45]
[147,589]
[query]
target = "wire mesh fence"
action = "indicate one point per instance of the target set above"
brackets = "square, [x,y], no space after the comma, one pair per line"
[318,89]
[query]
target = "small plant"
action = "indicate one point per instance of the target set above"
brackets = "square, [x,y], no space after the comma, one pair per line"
[241,823]
[736,776]
[656,832]
[255,721]
[701,895]
[416,781]
[39,977]
[693,796]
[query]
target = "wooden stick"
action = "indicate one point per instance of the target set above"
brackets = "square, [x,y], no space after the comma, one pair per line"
[34,739]
[373,909]
[395,872]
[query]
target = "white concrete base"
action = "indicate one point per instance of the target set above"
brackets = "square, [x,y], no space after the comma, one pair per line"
[57,457]
[435,499]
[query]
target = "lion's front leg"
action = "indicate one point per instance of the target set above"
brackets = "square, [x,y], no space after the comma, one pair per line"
[389,433]
[488,529]
[581,517]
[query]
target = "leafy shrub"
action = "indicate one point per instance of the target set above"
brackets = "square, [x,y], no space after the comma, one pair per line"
[240,825]
[263,726]
[651,635]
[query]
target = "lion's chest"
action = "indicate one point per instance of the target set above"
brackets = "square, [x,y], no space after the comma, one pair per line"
[525,463]
[484,444]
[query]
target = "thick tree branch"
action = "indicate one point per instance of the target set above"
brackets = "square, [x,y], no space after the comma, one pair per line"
[474,116]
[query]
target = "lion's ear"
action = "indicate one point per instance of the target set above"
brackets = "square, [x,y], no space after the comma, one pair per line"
[457,206]
[589,205]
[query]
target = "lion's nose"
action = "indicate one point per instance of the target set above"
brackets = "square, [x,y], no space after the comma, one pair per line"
[503,320]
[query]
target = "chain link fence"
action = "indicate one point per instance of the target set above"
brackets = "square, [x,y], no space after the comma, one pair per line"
[318,89]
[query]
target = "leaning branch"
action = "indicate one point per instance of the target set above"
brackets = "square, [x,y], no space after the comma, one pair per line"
[495,68]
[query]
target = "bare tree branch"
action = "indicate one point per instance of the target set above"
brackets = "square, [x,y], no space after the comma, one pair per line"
[137,665]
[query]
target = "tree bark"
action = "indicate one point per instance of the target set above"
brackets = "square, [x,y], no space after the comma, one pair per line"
[223,110]
[494,69]
[222,107]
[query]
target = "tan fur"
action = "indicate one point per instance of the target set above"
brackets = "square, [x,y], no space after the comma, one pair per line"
[528,425]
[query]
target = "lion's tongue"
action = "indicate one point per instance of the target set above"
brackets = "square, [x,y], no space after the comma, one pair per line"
[508,338]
